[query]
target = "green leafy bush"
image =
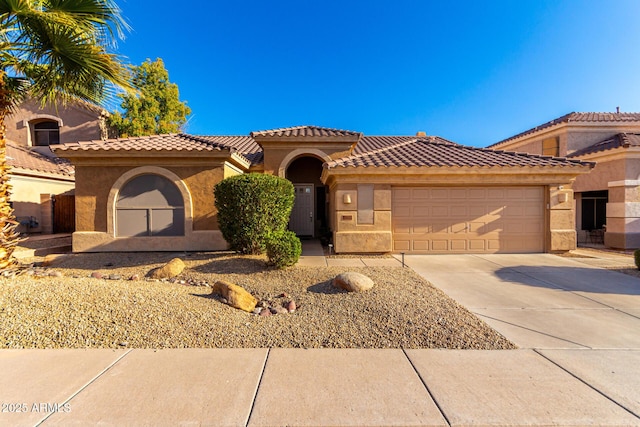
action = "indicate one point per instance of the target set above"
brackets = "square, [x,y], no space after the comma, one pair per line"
[283,248]
[251,207]
[636,257]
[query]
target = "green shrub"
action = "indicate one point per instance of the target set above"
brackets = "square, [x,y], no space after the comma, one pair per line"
[283,248]
[251,207]
[636,257]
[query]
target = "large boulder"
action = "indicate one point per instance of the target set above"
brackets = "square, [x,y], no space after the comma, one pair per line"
[169,270]
[352,282]
[235,295]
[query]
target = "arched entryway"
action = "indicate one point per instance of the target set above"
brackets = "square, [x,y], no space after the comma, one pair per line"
[309,214]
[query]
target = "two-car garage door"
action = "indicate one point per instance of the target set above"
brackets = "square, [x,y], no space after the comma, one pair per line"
[468,220]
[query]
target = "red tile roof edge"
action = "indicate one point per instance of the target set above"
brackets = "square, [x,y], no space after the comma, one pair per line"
[574,117]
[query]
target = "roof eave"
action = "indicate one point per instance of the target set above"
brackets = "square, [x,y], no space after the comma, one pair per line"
[14,170]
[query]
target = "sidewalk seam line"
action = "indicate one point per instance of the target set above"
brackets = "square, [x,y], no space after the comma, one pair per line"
[424,383]
[532,330]
[255,396]
[587,384]
[81,389]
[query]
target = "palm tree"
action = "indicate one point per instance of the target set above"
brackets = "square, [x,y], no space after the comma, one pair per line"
[55,51]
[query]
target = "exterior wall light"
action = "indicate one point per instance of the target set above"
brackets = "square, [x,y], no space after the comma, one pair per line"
[346,199]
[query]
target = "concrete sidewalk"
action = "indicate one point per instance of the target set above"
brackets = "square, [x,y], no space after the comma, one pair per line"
[260,387]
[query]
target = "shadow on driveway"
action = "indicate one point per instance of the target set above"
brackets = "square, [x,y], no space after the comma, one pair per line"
[578,279]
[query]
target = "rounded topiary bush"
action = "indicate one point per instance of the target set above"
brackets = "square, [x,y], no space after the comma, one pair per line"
[283,249]
[636,257]
[251,207]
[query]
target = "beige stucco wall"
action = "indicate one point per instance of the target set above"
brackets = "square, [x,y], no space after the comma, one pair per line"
[78,123]
[96,192]
[26,198]
[95,183]
[600,176]
[571,137]
[277,156]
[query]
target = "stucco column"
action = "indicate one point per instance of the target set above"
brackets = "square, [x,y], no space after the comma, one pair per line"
[354,229]
[561,219]
[623,215]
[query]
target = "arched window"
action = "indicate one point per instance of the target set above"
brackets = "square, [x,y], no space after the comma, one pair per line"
[149,205]
[46,133]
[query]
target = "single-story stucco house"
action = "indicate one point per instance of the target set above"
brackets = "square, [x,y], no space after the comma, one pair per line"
[607,199]
[413,194]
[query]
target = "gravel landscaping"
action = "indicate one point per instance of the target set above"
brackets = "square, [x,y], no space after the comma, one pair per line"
[75,310]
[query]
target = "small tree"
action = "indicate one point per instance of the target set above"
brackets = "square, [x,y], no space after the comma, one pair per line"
[157,108]
[251,207]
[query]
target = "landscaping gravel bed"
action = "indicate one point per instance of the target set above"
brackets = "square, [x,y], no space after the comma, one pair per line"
[78,311]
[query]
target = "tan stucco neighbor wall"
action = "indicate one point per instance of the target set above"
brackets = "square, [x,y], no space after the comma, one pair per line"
[617,170]
[26,196]
[79,123]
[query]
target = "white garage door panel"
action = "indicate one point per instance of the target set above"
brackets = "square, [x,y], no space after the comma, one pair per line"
[459,220]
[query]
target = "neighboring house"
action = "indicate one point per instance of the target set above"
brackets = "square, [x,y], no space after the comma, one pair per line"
[37,175]
[413,194]
[607,199]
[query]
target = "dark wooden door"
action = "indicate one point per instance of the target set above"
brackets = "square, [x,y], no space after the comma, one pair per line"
[64,214]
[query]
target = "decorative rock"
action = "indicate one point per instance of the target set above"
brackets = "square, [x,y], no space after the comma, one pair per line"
[115,277]
[265,312]
[257,310]
[169,270]
[55,274]
[279,310]
[96,275]
[352,282]
[291,306]
[135,277]
[236,295]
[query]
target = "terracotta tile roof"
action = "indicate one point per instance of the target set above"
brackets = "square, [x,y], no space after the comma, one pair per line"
[167,142]
[437,152]
[305,131]
[616,141]
[246,146]
[23,158]
[370,143]
[369,151]
[578,118]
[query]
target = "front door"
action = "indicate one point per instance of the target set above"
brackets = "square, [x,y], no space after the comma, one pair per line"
[302,218]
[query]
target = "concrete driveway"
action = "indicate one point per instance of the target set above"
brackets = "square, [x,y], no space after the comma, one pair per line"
[583,319]
[541,301]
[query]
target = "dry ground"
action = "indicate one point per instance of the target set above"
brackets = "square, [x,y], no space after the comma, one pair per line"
[77,311]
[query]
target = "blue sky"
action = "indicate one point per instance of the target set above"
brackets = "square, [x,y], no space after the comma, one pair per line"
[474,72]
